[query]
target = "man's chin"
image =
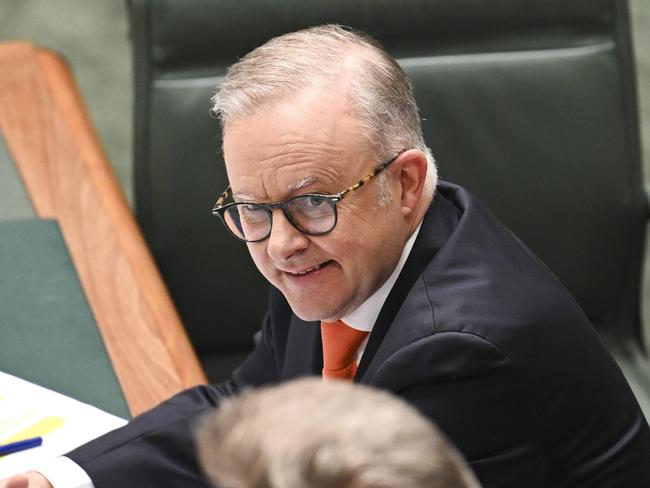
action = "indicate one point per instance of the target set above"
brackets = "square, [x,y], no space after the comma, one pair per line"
[313,312]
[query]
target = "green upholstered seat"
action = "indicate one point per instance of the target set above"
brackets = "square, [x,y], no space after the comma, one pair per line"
[48,334]
[14,201]
[529,104]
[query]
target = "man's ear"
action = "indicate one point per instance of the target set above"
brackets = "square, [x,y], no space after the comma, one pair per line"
[411,170]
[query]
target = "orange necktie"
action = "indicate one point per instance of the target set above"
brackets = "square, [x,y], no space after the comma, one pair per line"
[340,345]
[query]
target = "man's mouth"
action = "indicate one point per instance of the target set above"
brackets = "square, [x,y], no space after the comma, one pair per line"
[308,270]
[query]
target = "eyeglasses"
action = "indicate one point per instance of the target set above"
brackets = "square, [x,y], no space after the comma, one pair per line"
[313,214]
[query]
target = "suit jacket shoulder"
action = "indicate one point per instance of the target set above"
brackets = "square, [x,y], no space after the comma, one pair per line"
[490,345]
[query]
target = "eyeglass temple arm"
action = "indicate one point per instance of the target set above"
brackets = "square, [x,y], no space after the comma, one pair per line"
[224,196]
[367,178]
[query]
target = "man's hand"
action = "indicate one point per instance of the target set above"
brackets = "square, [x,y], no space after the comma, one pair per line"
[32,479]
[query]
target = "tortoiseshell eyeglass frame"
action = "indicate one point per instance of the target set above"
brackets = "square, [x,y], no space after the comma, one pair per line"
[219,208]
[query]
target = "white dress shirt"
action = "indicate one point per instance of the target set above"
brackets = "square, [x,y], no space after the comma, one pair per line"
[63,472]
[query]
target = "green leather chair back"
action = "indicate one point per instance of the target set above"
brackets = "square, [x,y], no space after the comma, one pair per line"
[528,103]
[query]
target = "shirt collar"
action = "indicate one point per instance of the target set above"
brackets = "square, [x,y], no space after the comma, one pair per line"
[365,316]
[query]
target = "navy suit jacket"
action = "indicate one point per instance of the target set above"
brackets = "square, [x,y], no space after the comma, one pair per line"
[477,333]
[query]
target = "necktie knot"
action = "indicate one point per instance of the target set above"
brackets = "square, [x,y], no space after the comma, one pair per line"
[340,345]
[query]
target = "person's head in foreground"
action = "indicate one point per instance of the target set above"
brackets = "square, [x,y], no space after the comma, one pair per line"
[325,434]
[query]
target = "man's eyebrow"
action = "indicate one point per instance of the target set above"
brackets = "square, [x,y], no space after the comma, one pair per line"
[295,186]
[246,197]
[302,183]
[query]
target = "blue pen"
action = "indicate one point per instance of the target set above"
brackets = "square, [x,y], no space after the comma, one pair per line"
[20,445]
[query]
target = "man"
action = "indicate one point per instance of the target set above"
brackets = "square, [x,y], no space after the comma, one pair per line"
[341,210]
[311,433]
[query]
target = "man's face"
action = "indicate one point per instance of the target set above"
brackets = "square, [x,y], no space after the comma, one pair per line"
[313,144]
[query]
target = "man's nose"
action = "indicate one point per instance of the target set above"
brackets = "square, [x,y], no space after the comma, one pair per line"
[285,240]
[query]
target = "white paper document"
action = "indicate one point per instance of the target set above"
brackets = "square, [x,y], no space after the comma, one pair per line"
[28,410]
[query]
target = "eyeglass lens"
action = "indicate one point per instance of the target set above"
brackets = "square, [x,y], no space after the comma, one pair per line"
[311,214]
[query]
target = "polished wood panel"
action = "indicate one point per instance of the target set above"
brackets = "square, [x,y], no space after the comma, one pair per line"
[68,178]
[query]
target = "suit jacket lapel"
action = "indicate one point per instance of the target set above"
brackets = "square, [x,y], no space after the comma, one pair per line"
[438,224]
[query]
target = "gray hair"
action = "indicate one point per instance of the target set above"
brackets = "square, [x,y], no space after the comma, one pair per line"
[330,55]
[320,434]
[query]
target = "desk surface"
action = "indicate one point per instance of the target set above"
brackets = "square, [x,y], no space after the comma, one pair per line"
[68,178]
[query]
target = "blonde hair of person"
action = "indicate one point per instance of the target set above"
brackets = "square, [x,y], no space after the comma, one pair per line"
[325,434]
